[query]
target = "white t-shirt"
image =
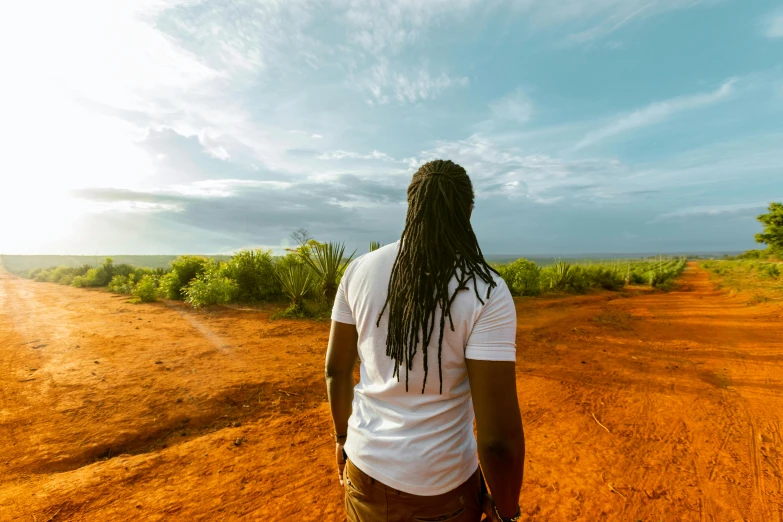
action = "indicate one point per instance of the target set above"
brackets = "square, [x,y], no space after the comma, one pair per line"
[418,443]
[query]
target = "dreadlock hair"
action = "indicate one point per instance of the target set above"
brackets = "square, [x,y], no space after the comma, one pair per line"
[438,243]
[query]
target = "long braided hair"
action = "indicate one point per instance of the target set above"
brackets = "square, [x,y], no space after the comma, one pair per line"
[438,244]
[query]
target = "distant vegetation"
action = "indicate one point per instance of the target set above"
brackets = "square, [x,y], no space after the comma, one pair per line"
[22,263]
[759,272]
[772,236]
[763,280]
[525,278]
[308,275]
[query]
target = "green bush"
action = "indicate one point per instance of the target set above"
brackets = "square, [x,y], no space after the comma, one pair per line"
[146,290]
[297,283]
[63,275]
[139,272]
[522,277]
[123,269]
[41,276]
[561,276]
[754,254]
[254,273]
[99,276]
[287,261]
[121,284]
[636,278]
[603,277]
[770,271]
[169,286]
[184,269]
[326,261]
[211,287]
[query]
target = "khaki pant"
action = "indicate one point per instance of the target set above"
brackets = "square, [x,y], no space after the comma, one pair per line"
[367,500]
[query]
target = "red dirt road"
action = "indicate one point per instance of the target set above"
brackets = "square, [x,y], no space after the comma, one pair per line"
[645,406]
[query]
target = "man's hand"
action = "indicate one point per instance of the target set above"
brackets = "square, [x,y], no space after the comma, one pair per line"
[340,461]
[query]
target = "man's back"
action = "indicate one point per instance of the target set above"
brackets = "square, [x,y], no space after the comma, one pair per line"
[419,441]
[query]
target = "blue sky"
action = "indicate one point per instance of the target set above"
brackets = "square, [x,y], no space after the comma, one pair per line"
[168,126]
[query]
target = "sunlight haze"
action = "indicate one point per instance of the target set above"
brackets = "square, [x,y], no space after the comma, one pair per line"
[166,126]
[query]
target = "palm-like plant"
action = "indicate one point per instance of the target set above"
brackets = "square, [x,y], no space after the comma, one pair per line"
[562,276]
[326,261]
[296,283]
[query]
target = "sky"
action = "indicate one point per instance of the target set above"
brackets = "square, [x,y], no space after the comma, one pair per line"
[181,126]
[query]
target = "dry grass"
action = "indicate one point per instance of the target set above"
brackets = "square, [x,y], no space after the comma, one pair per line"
[757,280]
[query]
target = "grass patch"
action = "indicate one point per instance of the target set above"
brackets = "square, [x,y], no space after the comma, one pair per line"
[760,281]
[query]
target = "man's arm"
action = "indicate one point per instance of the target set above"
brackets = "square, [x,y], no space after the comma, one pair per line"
[501,441]
[341,356]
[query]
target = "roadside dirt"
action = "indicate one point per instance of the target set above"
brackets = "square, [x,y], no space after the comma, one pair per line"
[637,406]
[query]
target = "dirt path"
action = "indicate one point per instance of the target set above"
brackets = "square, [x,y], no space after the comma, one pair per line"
[636,407]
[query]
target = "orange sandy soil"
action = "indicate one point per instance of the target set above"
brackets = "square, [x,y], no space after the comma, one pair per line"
[637,406]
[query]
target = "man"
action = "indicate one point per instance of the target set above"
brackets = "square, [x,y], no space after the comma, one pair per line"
[434,327]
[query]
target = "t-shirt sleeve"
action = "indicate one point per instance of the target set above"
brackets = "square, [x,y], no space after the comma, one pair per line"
[494,333]
[341,311]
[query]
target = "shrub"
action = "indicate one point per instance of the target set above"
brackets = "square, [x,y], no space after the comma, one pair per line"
[184,269]
[560,276]
[42,276]
[522,277]
[754,254]
[288,261]
[636,278]
[146,290]
[123,269]
[603,277]
[326,261]
[254,273]
[770,271]
[65,275]
[581,280]
[297,283]
[211,287]
[121,284]
[139,272]
[99,276]
[169,286]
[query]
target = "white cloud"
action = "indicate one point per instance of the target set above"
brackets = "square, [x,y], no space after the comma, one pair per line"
[655,113]
[600,18]
[212,146]
[773,25]
[130,207]
[423,86]
[388,26]
[516,106]
[385,85]
[308,134]
[711,210]
[541,178]
[343,154]
[224,187]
